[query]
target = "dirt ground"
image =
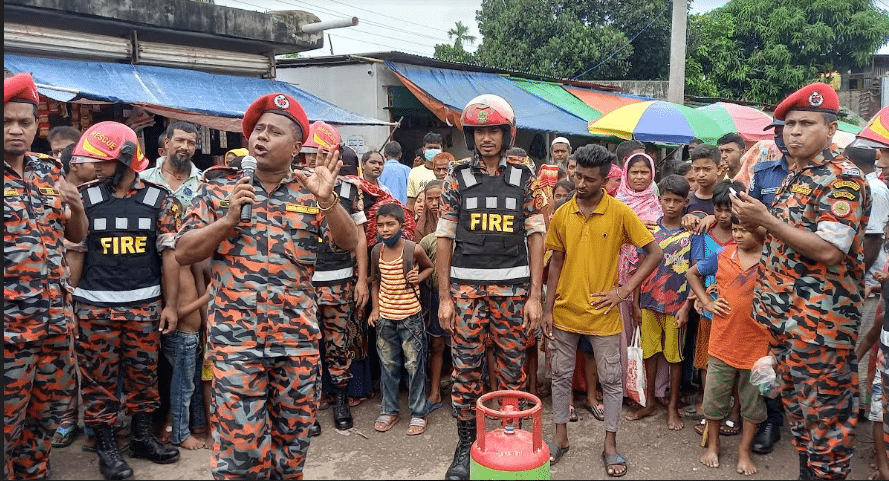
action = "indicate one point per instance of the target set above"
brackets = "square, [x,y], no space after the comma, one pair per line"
[653,452]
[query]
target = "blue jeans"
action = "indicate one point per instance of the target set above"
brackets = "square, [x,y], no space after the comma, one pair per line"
[403,343]
[186,393]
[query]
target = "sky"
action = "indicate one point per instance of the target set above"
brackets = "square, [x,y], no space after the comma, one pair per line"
[410,26]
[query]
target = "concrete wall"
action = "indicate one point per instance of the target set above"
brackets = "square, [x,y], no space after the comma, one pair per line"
[647,88]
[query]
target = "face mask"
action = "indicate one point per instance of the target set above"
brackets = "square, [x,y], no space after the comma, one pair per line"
[391,241]
[779,142]
[431,153]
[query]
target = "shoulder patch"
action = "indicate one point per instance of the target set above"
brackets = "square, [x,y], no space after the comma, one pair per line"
[839,184]
[841,208]
[801,189]
[842,194]
[848,168]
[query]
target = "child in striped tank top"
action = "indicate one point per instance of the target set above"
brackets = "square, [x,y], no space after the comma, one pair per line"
[398,318]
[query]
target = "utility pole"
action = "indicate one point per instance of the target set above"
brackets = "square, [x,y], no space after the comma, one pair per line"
[331,49]
[676,88]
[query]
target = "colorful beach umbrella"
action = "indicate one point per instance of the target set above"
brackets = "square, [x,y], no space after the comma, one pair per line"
[747,121]
[877,129]
[658,121]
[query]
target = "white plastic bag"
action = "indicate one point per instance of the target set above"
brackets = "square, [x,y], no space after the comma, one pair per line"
[636,370]
[763,376]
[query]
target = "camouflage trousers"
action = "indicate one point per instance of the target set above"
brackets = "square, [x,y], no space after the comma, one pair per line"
[478,319]
[333,320]
[112,339]
[819,388]
[38,384]
[264,410]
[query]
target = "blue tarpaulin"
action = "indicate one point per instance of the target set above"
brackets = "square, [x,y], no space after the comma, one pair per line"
[169,89]
[455,88]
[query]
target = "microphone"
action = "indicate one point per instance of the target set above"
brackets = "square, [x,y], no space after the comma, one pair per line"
[248,165]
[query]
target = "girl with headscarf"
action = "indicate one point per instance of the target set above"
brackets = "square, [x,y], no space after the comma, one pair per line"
[637,190]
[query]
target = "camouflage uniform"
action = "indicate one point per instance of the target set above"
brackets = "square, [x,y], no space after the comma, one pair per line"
[813,310]
[263,325]
[336,299]
[487,310]
[37,317]
[116,332]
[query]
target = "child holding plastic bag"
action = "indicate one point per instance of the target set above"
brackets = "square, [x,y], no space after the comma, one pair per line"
[737,341]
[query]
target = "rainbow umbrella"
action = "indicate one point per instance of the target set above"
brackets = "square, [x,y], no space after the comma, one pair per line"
[658,121]
[747,121]
[877,129]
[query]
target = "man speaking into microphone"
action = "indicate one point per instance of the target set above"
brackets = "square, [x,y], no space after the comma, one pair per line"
[262,317]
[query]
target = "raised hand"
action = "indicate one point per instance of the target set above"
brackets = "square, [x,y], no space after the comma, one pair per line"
[323,178]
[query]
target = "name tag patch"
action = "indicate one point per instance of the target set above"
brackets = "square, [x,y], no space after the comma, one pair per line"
[801,189]
[302,209]
[11,192]
[49,191]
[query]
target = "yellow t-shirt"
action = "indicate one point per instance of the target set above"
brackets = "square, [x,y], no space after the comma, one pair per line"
[591,246]
[417,179]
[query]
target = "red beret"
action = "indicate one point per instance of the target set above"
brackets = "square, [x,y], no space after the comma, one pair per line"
[281,104]
[816,97]
[20,88]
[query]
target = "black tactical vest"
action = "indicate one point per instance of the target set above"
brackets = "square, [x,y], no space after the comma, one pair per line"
[491,247]
[332,267]
[122,265]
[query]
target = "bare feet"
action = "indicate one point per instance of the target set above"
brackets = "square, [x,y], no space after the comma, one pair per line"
[192,443]
[710,458]
[645,412]
[674,420]
[166,432]
[746,466]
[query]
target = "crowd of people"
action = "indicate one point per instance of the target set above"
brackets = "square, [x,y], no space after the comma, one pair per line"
[227,309]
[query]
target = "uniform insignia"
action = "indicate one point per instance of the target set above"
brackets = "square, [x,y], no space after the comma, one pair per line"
[853,172]
[842,194]
[11,192]
[302,209]
[281,102]
[815,100]
[483,117]
[841,208]
[839,184]
[177,214]
[801,189]
[49,191]
[224,203]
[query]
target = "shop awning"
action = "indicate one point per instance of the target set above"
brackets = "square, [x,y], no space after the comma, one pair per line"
[445,92]
[603,101]
[555,94]
[216,101]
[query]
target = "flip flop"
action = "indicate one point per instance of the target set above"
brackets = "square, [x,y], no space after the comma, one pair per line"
[417,426]
[385,422]
[729,428]
[612,460]
[699,426]
[64,436]
[572,414]
[598,411]
[433,407]
[556,452]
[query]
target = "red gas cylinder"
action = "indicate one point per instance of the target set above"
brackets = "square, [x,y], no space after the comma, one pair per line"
[509,452]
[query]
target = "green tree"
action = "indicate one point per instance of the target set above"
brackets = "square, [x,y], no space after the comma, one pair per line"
[459,34]
[544,37]
[761,50]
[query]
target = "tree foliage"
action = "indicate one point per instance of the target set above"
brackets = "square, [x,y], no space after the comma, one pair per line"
[460,34]
[761,50]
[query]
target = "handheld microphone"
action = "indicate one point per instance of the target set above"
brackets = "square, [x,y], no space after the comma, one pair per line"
[248,165]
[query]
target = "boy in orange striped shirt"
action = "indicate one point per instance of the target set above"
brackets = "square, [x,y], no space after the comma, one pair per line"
[398,318]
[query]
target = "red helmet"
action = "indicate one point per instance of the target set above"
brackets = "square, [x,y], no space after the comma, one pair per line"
[321,135]
[486,110]
[110,141]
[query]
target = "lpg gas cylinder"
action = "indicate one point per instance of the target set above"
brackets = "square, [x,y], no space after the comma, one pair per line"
[509,452]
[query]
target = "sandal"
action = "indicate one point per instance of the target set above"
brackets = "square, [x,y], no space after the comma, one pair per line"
[417,426]
[354,401]
[729,428]
[598,411]
[572,414]
[699,426]
[64,436]
[556,452]
[385,422]
[613,460]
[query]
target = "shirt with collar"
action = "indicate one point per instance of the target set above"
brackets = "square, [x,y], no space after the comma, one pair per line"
[394,176]
[185,191]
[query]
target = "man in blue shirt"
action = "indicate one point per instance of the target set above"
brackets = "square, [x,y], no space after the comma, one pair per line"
[395,173]
[769,174]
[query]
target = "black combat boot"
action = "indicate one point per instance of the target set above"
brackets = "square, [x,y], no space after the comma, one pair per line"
[111,462]
[459,468]
[342,415]
[144,445]
[805,473]
[315,430]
